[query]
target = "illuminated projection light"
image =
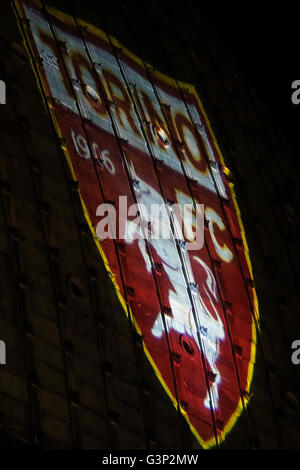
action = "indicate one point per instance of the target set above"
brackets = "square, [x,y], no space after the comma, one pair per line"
[131,131]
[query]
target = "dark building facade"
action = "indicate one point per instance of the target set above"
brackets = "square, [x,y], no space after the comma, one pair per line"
[77,372]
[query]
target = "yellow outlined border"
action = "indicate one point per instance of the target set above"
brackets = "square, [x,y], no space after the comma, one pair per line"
[191,88]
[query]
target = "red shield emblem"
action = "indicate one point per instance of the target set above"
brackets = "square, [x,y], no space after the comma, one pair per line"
[134,136]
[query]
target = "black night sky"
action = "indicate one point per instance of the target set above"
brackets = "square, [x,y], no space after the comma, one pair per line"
[264,39]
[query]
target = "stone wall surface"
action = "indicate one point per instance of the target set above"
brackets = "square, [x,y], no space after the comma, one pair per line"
[76,374]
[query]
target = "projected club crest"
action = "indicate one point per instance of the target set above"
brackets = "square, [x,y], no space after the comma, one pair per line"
[132,135]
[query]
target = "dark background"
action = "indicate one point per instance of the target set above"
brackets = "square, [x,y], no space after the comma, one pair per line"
[264,39]
[58,366]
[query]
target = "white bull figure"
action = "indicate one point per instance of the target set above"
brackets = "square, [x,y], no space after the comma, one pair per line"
[189,317]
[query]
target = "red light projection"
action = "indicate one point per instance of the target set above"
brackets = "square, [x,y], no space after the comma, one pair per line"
[131,131]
